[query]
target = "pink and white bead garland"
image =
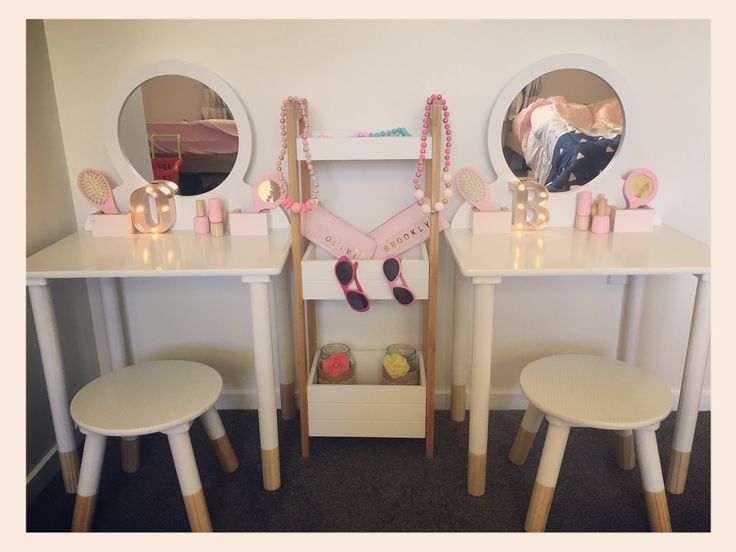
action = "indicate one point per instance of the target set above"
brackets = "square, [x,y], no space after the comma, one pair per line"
[297,207]
[446,178]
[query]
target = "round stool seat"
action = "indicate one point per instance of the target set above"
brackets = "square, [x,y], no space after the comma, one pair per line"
[597,392]
[146,398]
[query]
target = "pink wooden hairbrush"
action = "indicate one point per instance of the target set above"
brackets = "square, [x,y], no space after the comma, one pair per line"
[473,187]
[96,189]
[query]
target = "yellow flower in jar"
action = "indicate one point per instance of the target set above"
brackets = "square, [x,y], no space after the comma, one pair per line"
[395,365]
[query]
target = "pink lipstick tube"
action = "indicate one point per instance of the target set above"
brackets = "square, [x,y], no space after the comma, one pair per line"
[582,210]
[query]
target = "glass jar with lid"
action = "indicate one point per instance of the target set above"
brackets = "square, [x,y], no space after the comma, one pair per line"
[335,364]
[400,365]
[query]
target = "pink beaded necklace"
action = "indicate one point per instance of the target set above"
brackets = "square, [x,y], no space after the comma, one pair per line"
[424,203]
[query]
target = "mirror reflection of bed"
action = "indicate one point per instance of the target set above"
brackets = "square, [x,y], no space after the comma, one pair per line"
[563,129]
[192,137]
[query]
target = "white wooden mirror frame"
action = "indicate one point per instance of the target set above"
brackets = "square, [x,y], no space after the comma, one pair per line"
[562,204]
[233,190]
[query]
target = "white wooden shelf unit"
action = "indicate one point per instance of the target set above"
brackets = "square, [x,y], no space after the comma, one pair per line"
[366,408]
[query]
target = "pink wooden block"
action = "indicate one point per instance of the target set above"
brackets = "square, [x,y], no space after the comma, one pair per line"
[248,224]
[633,220]
[491,222]
[111,225]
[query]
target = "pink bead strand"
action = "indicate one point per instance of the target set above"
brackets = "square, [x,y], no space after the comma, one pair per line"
[296,206]
[423,202]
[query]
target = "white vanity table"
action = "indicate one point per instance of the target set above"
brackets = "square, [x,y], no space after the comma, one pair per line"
[253,259]
[485,260]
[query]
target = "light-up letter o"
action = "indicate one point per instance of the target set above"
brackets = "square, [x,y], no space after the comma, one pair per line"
[153,207]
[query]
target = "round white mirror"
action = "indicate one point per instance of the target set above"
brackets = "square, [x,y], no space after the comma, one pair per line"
[562,129]
[191,136]
[561,206]
[214,167]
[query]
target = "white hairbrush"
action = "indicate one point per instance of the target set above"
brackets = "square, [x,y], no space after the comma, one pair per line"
[96,189]
[473,187]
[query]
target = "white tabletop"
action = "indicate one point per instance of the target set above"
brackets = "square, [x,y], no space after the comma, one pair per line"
[176,253]
[570,252]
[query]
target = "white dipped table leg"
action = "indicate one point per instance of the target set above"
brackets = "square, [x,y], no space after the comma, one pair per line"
[480,383]
[265,384]
[462,344]
[284,345]
[691,389]
[130,455]
[53,371]
[633,308]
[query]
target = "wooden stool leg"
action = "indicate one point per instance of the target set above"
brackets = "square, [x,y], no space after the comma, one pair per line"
[546,481]
[220,441]
[186,472]
[89,482]
[526,435]
[130,455]
[651,478]
[625,454]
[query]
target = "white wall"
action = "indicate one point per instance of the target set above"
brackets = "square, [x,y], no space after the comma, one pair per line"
[49,217]
[372,75]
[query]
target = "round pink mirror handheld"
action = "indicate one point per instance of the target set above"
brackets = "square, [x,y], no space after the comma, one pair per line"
[267,192]
[640,187]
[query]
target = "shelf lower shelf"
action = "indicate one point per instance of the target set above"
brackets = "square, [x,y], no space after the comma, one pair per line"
[367,408]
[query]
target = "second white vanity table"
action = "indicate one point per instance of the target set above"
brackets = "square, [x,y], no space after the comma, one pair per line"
[484,260]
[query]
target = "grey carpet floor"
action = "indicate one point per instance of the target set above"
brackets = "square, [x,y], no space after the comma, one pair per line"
[386,485]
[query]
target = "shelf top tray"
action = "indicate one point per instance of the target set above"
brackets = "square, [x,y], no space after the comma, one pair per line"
[569,252]
[341,146]
[175,253]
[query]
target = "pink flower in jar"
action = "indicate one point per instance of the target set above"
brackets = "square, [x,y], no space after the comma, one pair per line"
[336,364]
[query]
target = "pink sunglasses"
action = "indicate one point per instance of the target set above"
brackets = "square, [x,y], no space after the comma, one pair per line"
[392,272]
[347,272]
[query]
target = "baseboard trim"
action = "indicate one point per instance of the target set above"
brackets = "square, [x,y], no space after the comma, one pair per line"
[500,400]
[42,474]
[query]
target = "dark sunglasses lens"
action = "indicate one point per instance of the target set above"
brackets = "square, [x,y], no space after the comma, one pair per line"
[344,272]
[357,300]
[391,269]
[403,295]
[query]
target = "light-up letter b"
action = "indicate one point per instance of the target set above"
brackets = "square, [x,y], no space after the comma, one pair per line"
[527,210]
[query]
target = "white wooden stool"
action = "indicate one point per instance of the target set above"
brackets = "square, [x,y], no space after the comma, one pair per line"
[162,396]
[596,392]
